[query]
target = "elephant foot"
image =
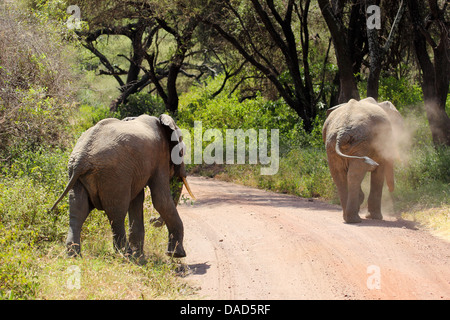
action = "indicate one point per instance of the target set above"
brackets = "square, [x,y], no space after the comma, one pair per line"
[176,254]
[124,250]
[73,250]
[138,259]
[375,216]
[177,251]
[352,219]
[157,222]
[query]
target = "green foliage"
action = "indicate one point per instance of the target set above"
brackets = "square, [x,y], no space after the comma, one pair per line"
[36,98]
[401,92]
[424,179]
[17,271]
[303,172]
[141,103]
[228,112]
[88,115]
[28,188]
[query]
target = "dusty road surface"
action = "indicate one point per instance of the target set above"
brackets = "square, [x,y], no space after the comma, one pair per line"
[244,243]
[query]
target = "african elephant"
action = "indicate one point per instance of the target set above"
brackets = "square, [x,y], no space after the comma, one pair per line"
[109,168]
[360,136]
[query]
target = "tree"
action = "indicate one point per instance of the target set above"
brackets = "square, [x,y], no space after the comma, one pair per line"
[348,43]
[431,30]
[142,22]
[378,52]
[262,32]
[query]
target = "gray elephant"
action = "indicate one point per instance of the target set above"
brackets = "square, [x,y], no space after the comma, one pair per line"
[109,168]
[360,137]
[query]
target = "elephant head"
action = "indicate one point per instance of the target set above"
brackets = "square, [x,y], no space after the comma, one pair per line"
[177,167]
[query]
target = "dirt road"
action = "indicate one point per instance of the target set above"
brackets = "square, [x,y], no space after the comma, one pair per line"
[244,243]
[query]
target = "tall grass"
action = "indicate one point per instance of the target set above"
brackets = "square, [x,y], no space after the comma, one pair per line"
[38,126]
[33,262]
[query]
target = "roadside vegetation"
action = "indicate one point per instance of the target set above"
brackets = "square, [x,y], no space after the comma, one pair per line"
[40,122]
[51,91]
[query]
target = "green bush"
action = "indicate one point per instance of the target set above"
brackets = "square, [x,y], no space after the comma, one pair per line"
[302,172]
[35,81]
[17,270]
[228,112]
[424,180]
[88,115]
[401,92]
[28,188]
[141,103]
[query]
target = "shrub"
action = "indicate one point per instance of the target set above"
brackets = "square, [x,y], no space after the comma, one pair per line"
[141,103]
[424,180]
[17,270]
[401,92]
[35,82]
[228,112]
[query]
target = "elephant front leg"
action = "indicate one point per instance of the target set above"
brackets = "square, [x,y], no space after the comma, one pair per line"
[355,175]
[163,203]
[176,186]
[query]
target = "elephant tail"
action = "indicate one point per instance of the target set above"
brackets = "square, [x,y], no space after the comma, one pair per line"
[372,164]
[69,186]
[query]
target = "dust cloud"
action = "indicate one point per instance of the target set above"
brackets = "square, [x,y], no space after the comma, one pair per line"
[406,129]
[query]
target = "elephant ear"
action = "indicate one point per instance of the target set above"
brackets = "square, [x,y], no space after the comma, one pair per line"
[177,145]
[167,120]
[334,108]
[388,107]
[169,123]
[394,116]
[370,100]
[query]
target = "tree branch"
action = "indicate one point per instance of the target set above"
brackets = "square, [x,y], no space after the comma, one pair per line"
[394,27]
[104,61]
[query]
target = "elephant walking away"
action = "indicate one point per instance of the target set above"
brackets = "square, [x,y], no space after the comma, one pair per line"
[109,168]
[360,137]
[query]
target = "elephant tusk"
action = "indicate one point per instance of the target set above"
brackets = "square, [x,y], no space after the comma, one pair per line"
[187,187]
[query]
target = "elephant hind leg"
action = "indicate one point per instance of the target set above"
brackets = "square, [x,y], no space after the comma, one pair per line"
[376,191]
[339,174]
[119,234]
[137,231]
[79,208]
[355,175]
[116,216]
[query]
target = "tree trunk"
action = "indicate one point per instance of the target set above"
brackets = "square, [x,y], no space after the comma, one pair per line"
[376,58]
[348,87]
[377,52]
[435,76]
